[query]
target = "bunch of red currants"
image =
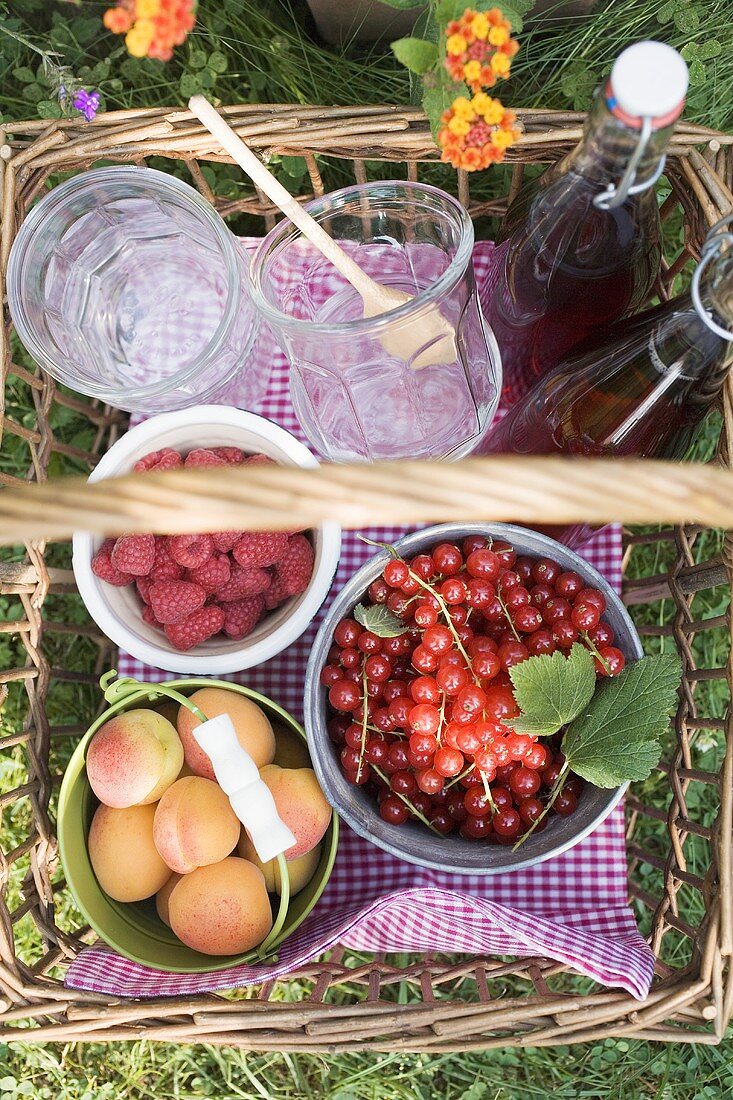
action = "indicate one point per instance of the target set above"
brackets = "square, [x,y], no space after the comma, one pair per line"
[420,717]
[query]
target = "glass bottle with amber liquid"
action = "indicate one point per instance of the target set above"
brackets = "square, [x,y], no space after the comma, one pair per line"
[641,389]
[580,248]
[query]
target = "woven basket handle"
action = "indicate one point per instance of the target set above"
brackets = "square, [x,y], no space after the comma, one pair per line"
[532,490]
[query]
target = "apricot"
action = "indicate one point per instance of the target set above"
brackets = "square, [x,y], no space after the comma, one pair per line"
[300,870]
[251,724]
[194,824]
[222,909]
[123,854]
[163,897]
[291,750]
[133,759]
[300,803]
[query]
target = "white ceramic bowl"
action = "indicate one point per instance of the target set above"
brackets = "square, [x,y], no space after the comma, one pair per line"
[117,611]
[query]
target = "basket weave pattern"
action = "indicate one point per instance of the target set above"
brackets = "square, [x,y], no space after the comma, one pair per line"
[680,870]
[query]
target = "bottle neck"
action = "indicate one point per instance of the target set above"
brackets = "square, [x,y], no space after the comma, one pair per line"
[715,288]
[608,145]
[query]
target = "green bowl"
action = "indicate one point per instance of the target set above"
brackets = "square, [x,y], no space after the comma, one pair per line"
[134,929]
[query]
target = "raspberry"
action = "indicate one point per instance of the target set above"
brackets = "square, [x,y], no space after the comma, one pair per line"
[225,540]
[165,459]
[241,616]
[275,594]
[174,601]
[191,551]
[196,628]
[259,460]
[103,568]
[233,456]
[134,554]
[202,456]
[261,548]
[213,574]
[148,616]
[295,568]
[143,587]
[164,567]
[244,583]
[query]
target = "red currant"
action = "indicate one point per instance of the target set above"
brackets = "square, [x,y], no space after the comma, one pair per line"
[422,566]
[527,619]
[505,552]
[564,633]
[393,810]
[479,593]
[447,559]
[438,639]
[536,757]
[378,668]
[451,679]
[424,689]
[523,568]
[512,653]
[555,609]
[471,699]
[423,743]
[486,665]
[500,703]
[483,563]
[454,806]
[569,584]
[585,616]
[423,660]
[612,662]
[565,804]
[430,781]
[329,675]
[476,802]
[467,740]
[378,590]
[545,571]
[453,590]
[375,752]
[539,594]
[399,709]
[368,642]
[424,718]
[344,696]
[591,595]
[539,642]
[506,823]
[524,782]
[395,573]
[475,828]
[474,542]
[530,809]
[601,635]
[346,633]
[448,762]
[425,615]
[403,782]
[441,820]
[350,658]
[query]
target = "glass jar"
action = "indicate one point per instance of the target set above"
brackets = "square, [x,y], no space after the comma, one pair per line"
[354,398]
[126,285]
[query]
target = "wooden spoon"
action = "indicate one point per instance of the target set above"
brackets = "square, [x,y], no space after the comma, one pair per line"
[423,341]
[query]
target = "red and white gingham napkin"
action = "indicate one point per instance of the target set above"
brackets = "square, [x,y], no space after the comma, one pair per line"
[573,908]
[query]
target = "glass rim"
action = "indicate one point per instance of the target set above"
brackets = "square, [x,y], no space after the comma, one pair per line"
[417,305]
[57,366]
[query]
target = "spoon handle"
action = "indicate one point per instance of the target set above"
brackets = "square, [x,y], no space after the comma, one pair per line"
[259,174]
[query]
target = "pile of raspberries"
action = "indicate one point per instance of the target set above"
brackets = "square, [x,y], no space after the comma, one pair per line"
[197,586]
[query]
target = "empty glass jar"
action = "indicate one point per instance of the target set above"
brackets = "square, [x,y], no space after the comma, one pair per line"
[356,399]
[126,285]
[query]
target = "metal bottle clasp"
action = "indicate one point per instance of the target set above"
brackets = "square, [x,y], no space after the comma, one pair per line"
[714,241]
[616,194]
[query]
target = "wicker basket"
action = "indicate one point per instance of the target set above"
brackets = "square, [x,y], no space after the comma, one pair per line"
[680,871]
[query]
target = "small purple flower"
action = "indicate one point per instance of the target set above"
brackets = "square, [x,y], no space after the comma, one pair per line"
[87,103]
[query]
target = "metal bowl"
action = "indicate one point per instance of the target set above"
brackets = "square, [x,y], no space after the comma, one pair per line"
[412,841]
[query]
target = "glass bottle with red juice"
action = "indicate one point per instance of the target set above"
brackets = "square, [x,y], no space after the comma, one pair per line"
[641,389]
[581,248]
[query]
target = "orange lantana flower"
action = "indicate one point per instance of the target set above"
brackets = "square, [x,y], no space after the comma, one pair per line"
[152,28]
[479,48]
[476,132]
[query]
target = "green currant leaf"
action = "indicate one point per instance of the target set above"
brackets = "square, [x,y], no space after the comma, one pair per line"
[617,738]
[416,54]
[380,620]
[552,690]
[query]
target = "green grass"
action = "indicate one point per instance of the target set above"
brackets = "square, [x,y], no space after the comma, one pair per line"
[264,50]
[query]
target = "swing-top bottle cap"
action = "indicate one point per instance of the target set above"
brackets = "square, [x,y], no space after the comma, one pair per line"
[649,80]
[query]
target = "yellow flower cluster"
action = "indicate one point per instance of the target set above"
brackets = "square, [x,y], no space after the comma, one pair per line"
[479,48]
[476,132]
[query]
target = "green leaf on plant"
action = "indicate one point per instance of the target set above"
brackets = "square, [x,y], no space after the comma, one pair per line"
[24,75]
[448,10]
[402,5]
[190,85]
[49,108]
[552,690]
[686,20]
[218,62]
[617,738]
[196,59]
[440,91]
[416,54]
[380,620]
[666,12]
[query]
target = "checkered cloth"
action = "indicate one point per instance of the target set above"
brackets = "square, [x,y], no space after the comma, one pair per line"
[573,908]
